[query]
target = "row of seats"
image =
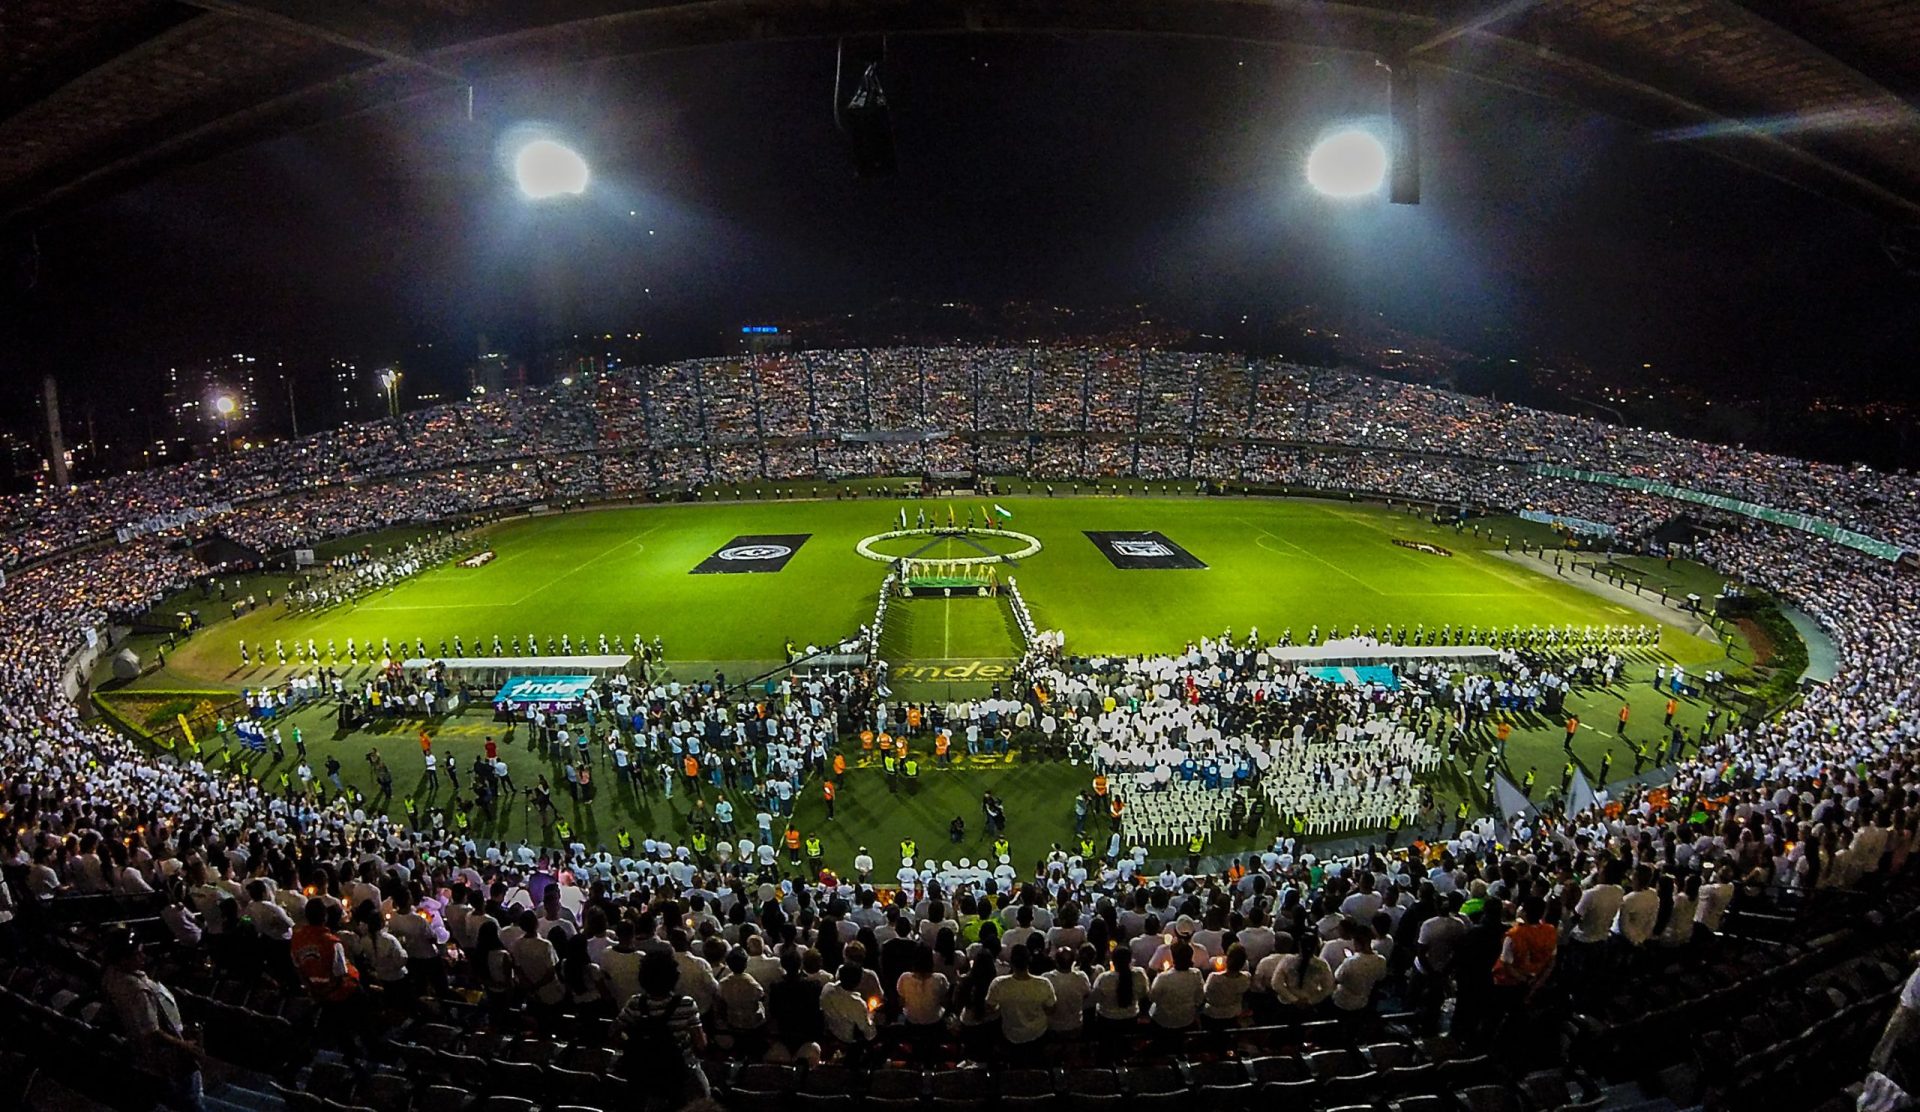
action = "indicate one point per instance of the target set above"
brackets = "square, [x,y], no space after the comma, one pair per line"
[1381,1076]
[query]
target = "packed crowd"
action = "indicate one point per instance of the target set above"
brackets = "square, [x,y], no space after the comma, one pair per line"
[1065,412]
[770,960]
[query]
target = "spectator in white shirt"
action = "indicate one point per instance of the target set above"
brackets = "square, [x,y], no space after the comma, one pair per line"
[1071,988]
[848,1015]
[923,995]
[1226,989]
[1639,910]
[1358,976]
[1023,1001]
[1176,994]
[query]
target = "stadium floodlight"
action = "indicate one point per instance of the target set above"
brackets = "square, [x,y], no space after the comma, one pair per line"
[1349,163]
[390,384]
[547,169]
[224,406]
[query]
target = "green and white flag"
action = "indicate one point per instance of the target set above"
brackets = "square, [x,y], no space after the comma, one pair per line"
[903,517]
[1005,514]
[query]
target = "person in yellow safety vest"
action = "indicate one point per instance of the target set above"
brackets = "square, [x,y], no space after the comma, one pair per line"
[888,762]
[909,849]
[699,842]
[624,840]
[563,830]
[911,768]
[1001,847]
[815,851]
[1086,847]
[460,819]
[412,810]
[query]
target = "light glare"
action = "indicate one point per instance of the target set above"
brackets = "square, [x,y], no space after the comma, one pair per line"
[545,169]
[1347,164]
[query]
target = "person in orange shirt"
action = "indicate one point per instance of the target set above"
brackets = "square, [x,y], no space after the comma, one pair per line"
[1526,960]
[941,742]
[913,719]
[839,765]
[1100,784]
[1624,711]
[690,765]
[866,740]
[1672,706]
[426,743]
[900,747]
[1573,723]
[793,845]
[828,791]
[1116,808]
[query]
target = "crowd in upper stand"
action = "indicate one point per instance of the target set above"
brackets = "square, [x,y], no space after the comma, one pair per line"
[1142,414]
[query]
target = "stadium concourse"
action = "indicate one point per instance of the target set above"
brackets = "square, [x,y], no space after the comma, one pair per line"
[1728,937]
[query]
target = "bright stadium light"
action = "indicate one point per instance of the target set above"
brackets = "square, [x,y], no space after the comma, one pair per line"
[1349,163]
[546,169]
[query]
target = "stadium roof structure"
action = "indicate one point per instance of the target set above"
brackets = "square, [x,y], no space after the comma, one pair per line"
[96,95]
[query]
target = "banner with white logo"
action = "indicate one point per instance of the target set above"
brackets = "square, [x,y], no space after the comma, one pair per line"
[757,553]
[543,690]
[1136,550]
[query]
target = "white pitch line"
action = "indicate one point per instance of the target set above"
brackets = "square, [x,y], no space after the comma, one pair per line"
[588,562]
[1312,556]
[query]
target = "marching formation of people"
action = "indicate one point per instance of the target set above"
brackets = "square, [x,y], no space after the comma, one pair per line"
[352,576]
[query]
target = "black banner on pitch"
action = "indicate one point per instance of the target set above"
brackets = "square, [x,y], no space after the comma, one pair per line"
[1132,550]
[761,552]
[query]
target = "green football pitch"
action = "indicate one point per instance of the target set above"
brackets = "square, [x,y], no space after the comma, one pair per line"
[1274,564]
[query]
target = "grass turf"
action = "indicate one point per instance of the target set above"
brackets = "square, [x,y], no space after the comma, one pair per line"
[1277,564]
[1274,564]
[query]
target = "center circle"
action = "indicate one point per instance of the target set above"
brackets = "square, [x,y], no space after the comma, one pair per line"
[755,552]
[1030,546]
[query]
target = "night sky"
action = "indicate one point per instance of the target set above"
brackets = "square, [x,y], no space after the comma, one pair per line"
[1084,172]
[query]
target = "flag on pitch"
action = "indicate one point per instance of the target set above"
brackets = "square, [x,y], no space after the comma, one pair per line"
[1005,514]
[950,518]
[1581,796]
[1508,799]
[903,517]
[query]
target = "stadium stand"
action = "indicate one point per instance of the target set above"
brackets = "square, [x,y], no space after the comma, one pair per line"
[1736,938]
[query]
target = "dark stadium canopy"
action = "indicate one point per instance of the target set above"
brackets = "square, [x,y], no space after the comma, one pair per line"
[97,94]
